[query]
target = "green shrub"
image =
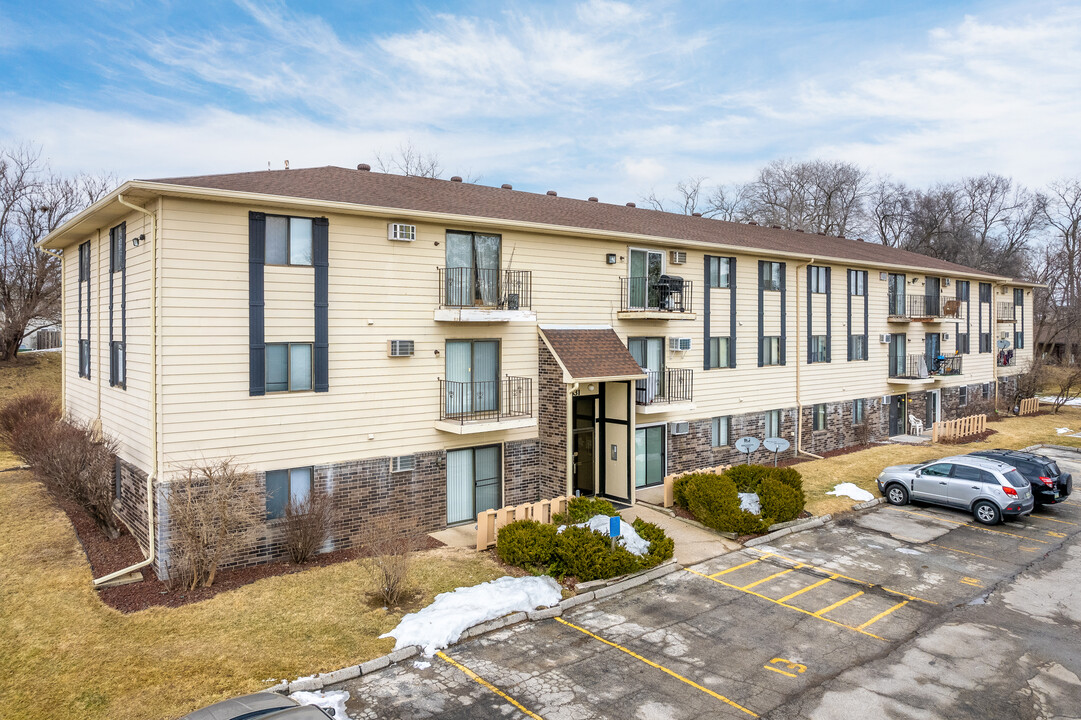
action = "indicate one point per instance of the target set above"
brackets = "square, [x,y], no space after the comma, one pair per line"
[526,543]
[780,501]
[679,487]
[714,501]
[661,547]
[792,478]
[581,509]
[747,477]
[588,555]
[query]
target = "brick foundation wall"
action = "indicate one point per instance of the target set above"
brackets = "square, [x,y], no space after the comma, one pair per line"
[130,506]
[551,425]
[520,467]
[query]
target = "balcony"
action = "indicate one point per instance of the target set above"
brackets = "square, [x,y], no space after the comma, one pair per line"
[923,308]
[473,407]
[661,298]
[1006,312]
[1006,358]
[485,295]
[922,369]
[670,390]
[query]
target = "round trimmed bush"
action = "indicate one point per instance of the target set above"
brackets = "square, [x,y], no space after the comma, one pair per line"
[661,547]
[779,501]
[581,509]
[526,543]
[588,555]
[714,501]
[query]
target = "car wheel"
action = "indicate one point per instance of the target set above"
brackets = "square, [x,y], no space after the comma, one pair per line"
[987,513]
[897,495]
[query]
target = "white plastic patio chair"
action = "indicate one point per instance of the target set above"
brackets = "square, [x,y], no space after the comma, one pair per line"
[915,424]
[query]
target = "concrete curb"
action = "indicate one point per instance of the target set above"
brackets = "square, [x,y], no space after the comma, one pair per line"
[603,589]
[1066,448]
[763,539]
[869,504]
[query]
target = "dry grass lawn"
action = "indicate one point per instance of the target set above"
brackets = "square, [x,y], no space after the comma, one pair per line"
[861,468]
[64,654]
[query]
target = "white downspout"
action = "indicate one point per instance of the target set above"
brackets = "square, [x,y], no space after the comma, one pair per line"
[153,474]
[799,399]
[63,345]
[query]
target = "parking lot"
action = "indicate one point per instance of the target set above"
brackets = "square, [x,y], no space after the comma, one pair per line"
[908,612]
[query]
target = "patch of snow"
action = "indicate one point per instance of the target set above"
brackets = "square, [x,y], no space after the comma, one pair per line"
[1062,430]
[451,613]
[331,700]
[750,503]
[628,538]
[1072,402]
[421,664]
[851,490]
[908,551]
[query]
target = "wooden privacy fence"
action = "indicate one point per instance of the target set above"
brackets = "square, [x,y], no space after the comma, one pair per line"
[670,481]
[489,521]
[959,428]
[1029,406]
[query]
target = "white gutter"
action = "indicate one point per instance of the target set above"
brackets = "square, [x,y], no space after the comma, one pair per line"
[152,475]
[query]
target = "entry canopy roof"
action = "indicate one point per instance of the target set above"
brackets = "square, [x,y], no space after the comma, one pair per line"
[590,354]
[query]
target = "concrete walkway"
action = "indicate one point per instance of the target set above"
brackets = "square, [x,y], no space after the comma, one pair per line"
[693,544]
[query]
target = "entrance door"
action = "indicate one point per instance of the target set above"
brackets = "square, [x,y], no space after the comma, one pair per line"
[932,345]
[472,269]
[649,456]
[474,480]
[934,406]
[646,269]
[934,294]
[897,294]
[898,347]
[585,476]
[648,352]
[472,377]
[897,415]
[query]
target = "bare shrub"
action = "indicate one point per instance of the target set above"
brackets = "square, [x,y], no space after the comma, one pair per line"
[1067,386]
[389,547]
[20,424]
[861,433]
[213,511]
[307,524]
[1031,382]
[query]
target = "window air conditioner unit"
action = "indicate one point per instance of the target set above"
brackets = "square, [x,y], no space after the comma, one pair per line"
[946,282]
[884,338]
[677,257]
[679,344]
[403,463]
[945,336]
[399,348]
[1003,290]
[680,428]
[402,232]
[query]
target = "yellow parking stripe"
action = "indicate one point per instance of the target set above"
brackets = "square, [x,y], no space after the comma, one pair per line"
[737,567]
[790,607]
[1050,519]
[969,525]
[812,586]
[756,583]
[838,604]
[963,552]
[481,681]
[778,670]
[883,614]
[663,669]
[850,579]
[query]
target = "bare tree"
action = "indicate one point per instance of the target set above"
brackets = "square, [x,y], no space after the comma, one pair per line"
[692,197]
[888,214]
[815,196]
[1058,316]
[408,160]
[33,202]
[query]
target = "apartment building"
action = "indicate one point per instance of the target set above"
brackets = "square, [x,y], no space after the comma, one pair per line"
[428,349]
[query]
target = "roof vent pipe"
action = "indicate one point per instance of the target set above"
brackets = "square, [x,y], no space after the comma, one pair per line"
[507,186]
[364,166]
[631,205]
[456,178]
[751,222]
[776,227]
[696,214]
[799,229]
[593,199]
[552,193]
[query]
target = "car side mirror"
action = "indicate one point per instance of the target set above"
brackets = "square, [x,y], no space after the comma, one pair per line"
[919,472]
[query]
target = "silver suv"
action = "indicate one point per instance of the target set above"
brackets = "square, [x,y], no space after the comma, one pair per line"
[989,489]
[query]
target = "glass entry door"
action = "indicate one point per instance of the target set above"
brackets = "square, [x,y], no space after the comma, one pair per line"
[646,269]
[472,376]
[649,456]
[648,352]
[474,481]
[472,269]
[897,355]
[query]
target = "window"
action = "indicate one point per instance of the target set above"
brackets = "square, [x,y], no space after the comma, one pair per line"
[985,292]
[773,423]
[117,364]
[964,472]
[857,345]
[283,486]
[962,342]
[819,416]
[819,349]
[896,294]
[986,391]
[962,290]
[84,310]
[771,275]
[288,367]
[721,426]
[858,412]
[288,240]
[937,470]
[857,283]
[985,342]
[771,350]
[719,272]
[117,243]
[819,279]
[118,374]
[962,395]
[719,349]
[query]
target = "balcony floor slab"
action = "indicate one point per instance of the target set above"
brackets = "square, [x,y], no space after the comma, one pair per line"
[481,426]
[655,315]
[484,315]
[658,408]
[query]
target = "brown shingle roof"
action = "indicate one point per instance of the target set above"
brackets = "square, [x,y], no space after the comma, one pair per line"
[361,187]
[591,353]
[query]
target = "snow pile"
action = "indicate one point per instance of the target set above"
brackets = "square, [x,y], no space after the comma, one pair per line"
[331,700]
[853,491]
[908,551]
[1062,430]
[749,502]
[628,538]
[1072,402]
[451,613]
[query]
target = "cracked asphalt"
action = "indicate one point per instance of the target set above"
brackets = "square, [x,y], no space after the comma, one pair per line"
[913,612]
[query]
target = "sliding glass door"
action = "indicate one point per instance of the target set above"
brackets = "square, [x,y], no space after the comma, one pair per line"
[649,455]
[646,268]
[648,352]
[472,269]
[474,481]
[472,376]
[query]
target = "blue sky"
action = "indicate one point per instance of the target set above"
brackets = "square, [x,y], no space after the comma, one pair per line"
[588,98]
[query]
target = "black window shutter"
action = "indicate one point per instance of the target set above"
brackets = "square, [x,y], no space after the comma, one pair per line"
[256,303]
[784,311]
[112,267]
[705,312]
[732,312]
[829,313]
[810,316]
[321,262]
[761,312]
[851,280]
[866,315]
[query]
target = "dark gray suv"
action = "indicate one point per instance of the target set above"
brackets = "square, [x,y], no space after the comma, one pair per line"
[989,489]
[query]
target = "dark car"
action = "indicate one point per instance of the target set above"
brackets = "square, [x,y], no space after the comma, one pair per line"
[1049,484]
[264,706]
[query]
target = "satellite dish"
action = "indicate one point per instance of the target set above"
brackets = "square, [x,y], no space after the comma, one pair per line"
[1003,344]
[775,444]
[747,444]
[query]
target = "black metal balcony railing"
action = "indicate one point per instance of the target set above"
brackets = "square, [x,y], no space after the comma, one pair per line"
[667,293]
[486,288]
[1006,358]
[924,366]
[924,306]
[511,397]
[1006,312]
[665,386]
